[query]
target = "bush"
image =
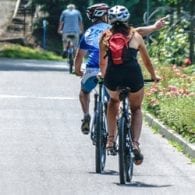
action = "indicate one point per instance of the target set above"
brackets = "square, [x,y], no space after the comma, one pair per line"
[173,99]
[173,42]
[178,114]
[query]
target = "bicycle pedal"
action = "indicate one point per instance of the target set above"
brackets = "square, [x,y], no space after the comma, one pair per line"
[111,152]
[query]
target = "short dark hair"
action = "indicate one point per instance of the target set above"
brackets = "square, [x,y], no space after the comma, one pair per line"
[120,27]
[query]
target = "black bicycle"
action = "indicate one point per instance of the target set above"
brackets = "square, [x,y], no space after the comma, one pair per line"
[99,126]
[125,147]
[125,144]
[70,52]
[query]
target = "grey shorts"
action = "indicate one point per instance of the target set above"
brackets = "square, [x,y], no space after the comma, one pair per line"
[75,40]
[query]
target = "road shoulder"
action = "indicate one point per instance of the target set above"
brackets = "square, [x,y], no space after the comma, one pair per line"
[171,135]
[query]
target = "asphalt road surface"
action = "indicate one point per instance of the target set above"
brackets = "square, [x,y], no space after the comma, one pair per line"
[43,152]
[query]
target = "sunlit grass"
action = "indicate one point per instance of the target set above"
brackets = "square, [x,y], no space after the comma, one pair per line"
[18,51]
[172,100]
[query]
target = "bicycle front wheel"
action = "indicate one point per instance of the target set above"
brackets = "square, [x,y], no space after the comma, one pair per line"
[121,134]
[100,139]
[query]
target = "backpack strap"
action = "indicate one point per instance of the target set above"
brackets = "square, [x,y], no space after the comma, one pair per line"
[131,37]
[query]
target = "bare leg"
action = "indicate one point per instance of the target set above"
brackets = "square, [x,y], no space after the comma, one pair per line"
[113,107]
[136,118]
[84,100]
[136,123]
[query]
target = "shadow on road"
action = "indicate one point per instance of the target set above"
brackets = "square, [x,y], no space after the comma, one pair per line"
[143,185]
[107,172]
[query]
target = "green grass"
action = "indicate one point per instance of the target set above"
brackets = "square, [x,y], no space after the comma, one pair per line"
[18,51]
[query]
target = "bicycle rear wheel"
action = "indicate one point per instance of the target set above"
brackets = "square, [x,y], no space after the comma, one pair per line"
[121,134]
[129,158]
[100,139]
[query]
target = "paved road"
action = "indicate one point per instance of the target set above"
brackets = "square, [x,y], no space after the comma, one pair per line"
[43,152]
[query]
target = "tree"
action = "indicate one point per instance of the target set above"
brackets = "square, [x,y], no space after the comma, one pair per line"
[192,30]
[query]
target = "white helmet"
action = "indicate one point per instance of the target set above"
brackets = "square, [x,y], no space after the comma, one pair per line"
[97,10]
[70,6]
[118,13]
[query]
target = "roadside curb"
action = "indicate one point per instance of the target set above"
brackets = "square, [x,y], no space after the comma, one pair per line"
[188,148]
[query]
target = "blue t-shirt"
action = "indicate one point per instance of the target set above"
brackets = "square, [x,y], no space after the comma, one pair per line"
[72,20]
[90,42]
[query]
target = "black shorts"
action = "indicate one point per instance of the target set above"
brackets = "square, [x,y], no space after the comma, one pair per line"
[125,75]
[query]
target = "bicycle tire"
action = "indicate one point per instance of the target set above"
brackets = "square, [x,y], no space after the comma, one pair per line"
[121,134]
[129,159]
[70,61]
[100,141]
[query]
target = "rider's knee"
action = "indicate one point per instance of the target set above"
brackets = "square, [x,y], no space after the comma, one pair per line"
[83,94]
[113,103]
[135,109]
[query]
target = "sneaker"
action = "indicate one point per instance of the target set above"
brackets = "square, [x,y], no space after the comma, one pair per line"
[85,127]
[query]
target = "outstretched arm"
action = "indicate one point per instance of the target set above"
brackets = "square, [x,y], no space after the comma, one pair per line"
[146,59]
[146,30]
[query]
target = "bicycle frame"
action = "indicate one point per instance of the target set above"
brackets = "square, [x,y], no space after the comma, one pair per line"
[99,127]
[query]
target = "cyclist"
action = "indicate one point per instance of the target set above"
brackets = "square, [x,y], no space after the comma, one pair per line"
[89,44]
[127,74]
[70,24]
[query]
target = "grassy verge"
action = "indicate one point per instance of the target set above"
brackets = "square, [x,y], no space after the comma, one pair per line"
[18,51]
[173,100]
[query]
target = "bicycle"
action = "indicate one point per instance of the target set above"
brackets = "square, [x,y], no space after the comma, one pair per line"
[125,147]
[125,144]
[70,51]
[99,127]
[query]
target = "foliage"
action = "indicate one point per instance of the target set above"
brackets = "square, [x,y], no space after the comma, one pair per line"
[51,10]
[174,45]
[173,99]
[190,70]
[18,51]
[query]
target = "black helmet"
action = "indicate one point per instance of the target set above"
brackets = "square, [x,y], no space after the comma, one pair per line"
[97,10]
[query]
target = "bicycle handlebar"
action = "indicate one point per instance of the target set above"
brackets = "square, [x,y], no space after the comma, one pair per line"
[148,80]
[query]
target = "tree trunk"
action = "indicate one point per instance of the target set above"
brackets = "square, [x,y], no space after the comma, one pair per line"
[192,32]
